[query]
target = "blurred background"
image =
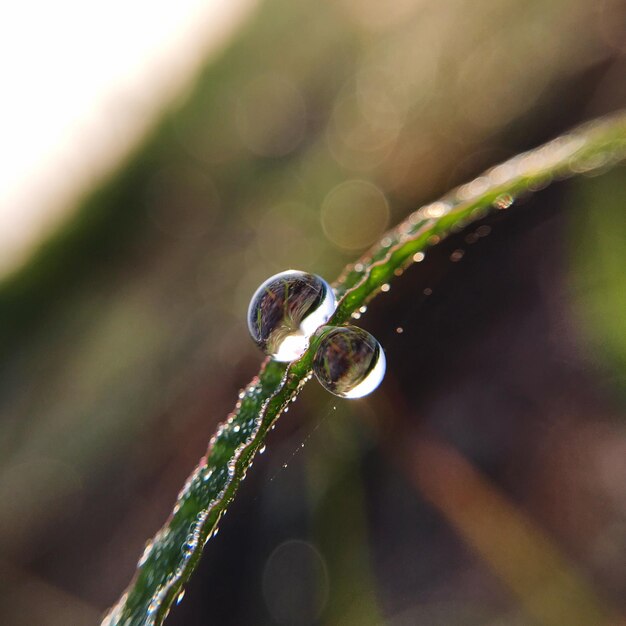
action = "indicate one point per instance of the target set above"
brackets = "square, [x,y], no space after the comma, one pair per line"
[159,160]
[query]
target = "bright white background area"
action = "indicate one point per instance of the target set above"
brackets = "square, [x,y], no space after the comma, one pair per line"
[80,84]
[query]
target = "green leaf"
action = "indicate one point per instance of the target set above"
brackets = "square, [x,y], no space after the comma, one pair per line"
[172,555]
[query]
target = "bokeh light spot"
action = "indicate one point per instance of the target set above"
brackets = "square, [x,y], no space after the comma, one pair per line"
[354,214]
[271,117]
[295,583]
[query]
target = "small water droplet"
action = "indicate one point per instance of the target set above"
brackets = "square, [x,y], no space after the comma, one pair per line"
[399,330]
[146,553]
[286,310]
[349,362]
[180,596]
[262,449]
[428,291]
[504,201]
[418,257]
[385,288]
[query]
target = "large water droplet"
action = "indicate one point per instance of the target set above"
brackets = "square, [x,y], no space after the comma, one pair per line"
[349,362]
[286,310]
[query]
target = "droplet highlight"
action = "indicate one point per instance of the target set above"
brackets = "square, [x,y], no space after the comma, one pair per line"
[286,310]
[349,362]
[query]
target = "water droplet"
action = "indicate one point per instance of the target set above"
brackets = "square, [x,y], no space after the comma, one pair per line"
[180,596]
[399,330]
[286,310]
[418,257]
[349,362]
[504,201]
[457,255]
[262,449]
[386,287]
[146,553]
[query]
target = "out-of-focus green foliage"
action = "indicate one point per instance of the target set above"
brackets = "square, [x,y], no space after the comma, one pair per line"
[598,264]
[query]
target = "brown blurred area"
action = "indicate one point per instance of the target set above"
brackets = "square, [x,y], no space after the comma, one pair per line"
[484,483]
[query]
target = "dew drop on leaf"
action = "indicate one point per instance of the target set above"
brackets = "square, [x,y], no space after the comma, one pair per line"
[286,310]
[349,362]
[145,554]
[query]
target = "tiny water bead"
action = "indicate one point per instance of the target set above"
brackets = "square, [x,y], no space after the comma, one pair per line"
[349,362]
[286,310]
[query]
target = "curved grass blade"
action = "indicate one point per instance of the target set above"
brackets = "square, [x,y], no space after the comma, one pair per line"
[171,556]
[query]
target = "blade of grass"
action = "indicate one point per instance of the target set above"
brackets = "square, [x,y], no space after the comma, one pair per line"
[172,555]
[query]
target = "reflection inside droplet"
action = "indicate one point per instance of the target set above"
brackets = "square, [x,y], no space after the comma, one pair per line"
[286,310]
[349,362]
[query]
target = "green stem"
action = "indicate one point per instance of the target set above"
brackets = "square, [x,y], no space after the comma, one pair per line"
[172,555]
